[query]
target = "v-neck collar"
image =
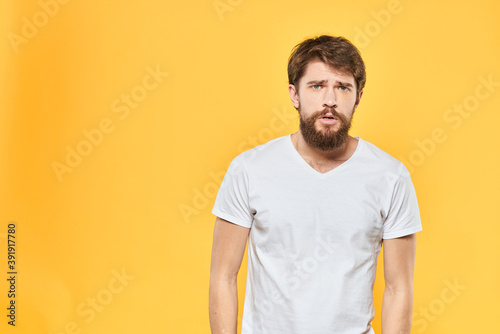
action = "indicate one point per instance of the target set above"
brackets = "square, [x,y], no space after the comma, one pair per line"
[333,171]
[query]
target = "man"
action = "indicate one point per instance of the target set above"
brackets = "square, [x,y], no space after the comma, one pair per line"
[316,206]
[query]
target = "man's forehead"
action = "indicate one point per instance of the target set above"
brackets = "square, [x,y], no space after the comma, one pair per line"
[316,69]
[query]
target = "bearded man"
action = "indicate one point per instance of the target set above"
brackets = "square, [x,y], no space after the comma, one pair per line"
[316,207]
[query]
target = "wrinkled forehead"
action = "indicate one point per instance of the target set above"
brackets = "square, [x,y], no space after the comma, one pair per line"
[319,70]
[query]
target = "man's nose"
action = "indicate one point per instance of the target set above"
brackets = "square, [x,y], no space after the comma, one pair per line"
[329,99]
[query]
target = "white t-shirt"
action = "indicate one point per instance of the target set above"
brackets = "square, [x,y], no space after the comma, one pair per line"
[314,237]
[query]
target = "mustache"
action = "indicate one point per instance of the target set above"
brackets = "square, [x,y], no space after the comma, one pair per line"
[328,110]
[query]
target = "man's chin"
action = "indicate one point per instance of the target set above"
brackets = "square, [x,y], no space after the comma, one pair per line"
[323,136]
[327,130]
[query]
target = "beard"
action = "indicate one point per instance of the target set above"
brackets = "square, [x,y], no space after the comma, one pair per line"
[326,139]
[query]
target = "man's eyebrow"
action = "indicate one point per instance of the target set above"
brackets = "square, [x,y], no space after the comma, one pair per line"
[321,82]
[346,84]
[317,82]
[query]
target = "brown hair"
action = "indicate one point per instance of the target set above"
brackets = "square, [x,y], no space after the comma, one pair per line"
[337,52]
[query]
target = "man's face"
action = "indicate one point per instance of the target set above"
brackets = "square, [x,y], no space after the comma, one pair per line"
[326,100]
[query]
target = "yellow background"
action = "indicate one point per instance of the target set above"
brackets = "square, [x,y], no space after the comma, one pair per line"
[140,202]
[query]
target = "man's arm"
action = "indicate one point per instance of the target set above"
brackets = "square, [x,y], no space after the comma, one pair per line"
[397,304]
[227,253]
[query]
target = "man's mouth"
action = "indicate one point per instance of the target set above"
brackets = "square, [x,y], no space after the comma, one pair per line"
[328,119]
[329,116]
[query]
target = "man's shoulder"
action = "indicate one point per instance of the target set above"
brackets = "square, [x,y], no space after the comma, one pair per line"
[268,150]
[377,158]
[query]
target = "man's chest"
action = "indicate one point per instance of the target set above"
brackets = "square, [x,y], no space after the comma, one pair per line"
[346,211]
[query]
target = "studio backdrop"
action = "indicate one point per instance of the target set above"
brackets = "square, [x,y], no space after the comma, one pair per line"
[119,120]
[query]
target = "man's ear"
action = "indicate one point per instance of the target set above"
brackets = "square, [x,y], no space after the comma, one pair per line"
[294,96]
[358,99]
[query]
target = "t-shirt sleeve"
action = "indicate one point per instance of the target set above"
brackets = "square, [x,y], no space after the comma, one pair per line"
[403,217]
[232,201]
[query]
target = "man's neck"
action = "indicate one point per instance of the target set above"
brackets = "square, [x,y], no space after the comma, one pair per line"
[309,152]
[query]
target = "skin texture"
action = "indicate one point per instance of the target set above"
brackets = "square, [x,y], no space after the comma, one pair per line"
[227,253]
[331,89]
[397,304]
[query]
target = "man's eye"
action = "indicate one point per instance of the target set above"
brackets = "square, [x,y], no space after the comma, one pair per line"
[344,88]
[316,86]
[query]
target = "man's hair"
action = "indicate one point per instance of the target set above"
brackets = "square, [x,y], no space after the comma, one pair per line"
[336,52]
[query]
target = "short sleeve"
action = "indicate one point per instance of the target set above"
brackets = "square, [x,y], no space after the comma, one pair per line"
[403,217]
[232,201]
